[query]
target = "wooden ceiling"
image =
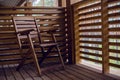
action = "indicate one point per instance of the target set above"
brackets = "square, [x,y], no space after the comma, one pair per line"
[11,3]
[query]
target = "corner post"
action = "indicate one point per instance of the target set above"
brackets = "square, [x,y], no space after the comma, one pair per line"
[70,25]
[105,33]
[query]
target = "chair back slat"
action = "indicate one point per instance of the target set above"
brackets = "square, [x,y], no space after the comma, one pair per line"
[25,23]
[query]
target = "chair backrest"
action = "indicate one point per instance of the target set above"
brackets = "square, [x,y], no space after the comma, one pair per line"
[25,23]
[29,22]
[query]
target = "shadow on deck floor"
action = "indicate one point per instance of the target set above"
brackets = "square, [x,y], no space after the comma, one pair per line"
[71,72]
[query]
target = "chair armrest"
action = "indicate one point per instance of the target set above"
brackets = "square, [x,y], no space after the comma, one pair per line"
[52,30]
[25,32]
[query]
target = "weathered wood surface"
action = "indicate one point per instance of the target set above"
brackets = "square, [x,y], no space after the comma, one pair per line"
[72,72]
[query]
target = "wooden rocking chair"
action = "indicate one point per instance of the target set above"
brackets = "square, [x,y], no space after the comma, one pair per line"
[29,23]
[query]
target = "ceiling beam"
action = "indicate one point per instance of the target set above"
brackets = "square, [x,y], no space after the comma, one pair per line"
[20,3]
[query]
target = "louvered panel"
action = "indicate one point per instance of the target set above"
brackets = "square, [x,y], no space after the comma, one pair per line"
[97,33]
[88,30]
[9,47]
[114,32]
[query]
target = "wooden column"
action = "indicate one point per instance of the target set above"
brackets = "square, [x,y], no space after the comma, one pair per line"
[105,33]
[59,2]
[76,30]
[28,4]
[71,41]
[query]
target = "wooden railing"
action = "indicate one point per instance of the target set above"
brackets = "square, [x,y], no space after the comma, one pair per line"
[47,17]
[97,26]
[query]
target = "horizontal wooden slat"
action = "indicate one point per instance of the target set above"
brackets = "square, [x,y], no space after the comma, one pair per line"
[6,23]
[114,51]
[90,18]
[5,17]
[90,24]
[33,7]
[112,1]
[5,41]
[91,42]
[90,36]
[9,62]
[9,46]
[114,58]
[31,12]
[89,6]
[114,43]
[114,65]
[114,7]
[9,50]
[50,17]
[114,22]
[8,37]
[7,29]
[91,30]
[113,14]
[7,32]
[114,36]
[114,29]
[90,12]
[93,48]
[50,22]
[9,57]
[90,59]
[92,54]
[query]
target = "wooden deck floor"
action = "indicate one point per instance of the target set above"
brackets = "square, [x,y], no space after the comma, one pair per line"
[72,72]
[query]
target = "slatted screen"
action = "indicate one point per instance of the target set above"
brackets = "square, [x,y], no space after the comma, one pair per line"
[9,47]
[114,32]
[88,30]
[97,24]
[46,17]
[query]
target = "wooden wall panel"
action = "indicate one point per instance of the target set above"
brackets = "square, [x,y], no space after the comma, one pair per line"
[97,33]
[47,18]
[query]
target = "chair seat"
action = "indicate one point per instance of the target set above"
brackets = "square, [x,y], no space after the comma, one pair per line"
[48,44]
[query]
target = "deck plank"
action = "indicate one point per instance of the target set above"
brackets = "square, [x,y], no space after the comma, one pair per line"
[52,76]
[69,75]
[8,73]
[32,73]
[81,75]
[43,76]
[25,75]
[2,74]
[71,72]
[60,75]
[93,73]
[85,73]
[15,73]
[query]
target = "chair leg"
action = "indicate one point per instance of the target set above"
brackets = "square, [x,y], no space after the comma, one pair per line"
[36,63]
[59,53]
[60,57]
[45,55]
[34,56]
[23,60]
